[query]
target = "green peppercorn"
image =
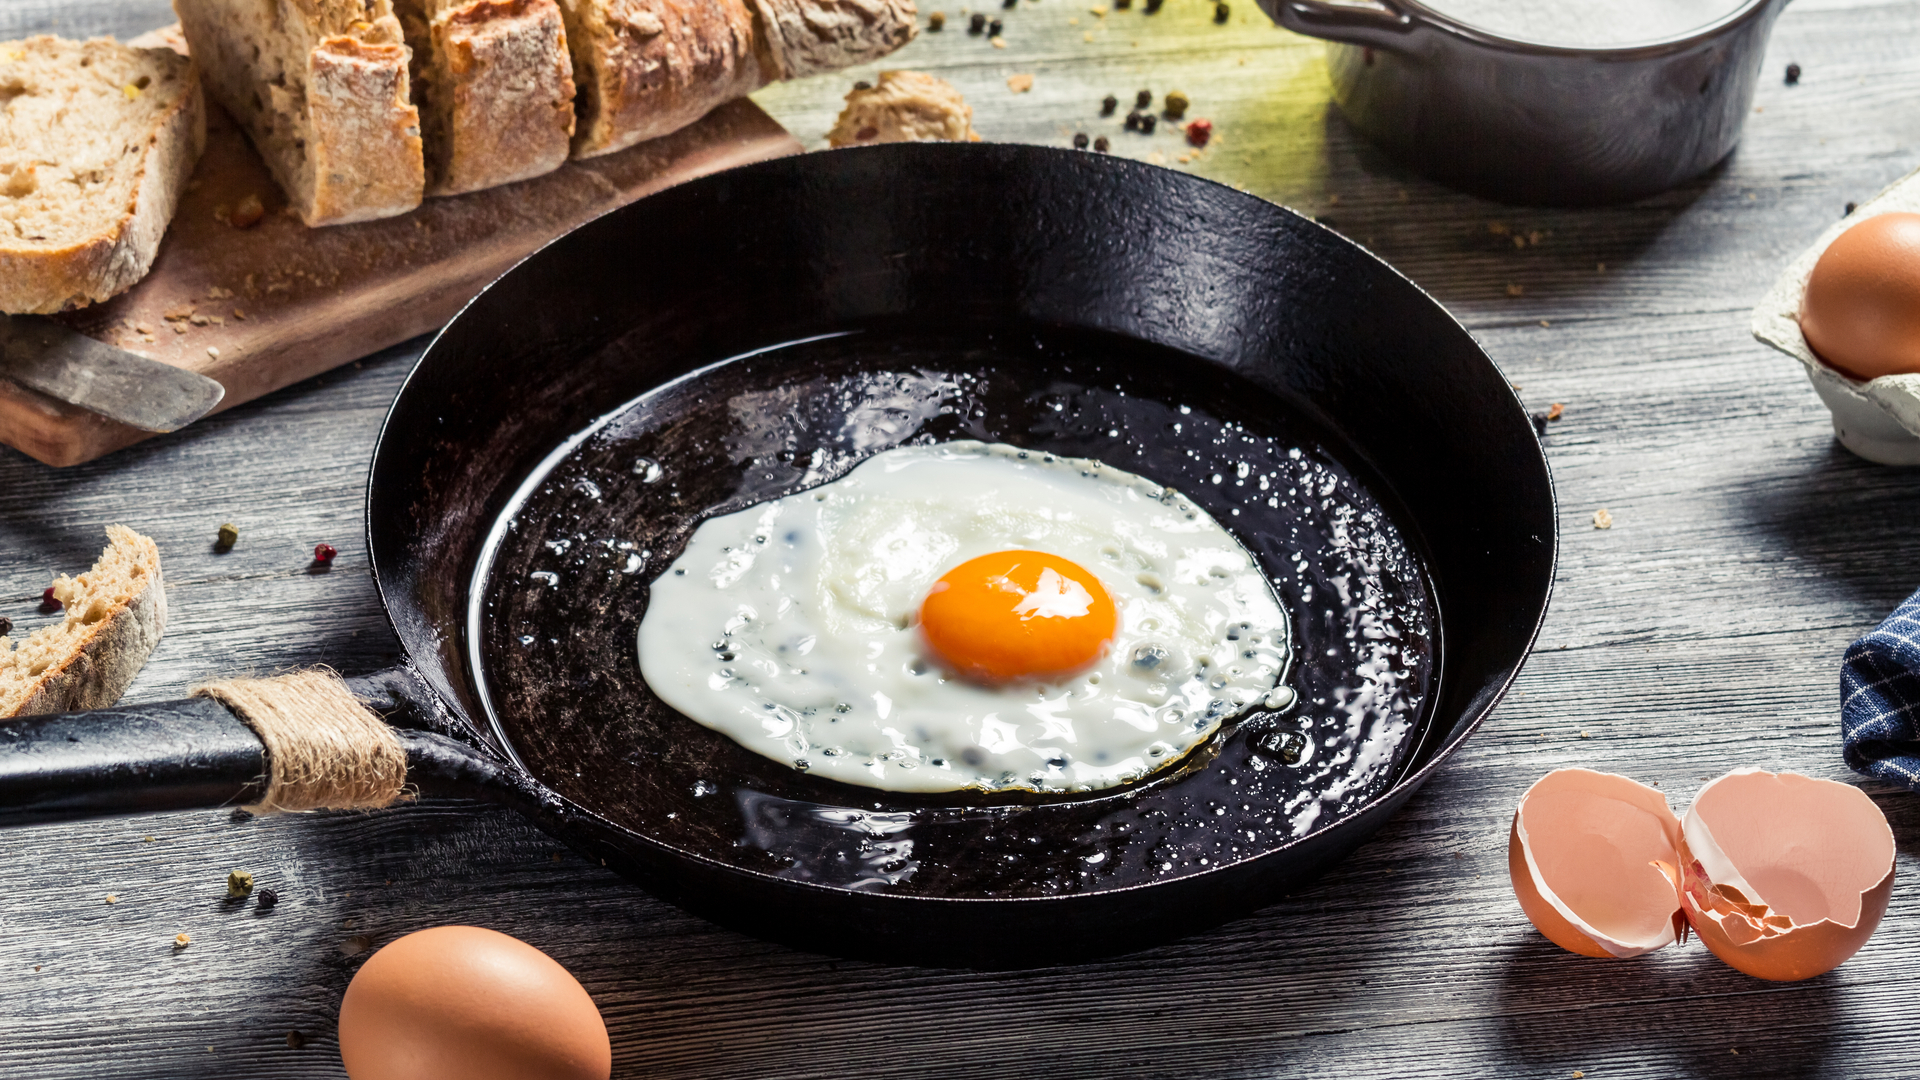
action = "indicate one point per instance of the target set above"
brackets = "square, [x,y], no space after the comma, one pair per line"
[1177,103]
[937,21]
[239,884]
[228,536]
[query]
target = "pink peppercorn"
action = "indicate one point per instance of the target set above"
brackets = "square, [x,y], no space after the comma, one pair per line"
[324,553]
[1199,132]
[50,602]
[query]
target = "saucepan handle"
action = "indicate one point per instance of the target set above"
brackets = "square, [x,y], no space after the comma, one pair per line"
[199,753]
[1379,23]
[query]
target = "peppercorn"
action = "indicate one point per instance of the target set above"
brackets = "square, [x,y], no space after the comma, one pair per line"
[50,602]
[977,23]
[268,898]
[295,1040]
[861,85]
[1133,120]
[1147,123]
[240,813]
[1177,103]
[239,885]
[1009,4]
[1153,6]
[1108,104]
[226,537]
[1122,5]
[937,21]
[1221,13]
[1851,207]
[1793,74]
[1199,132]
[1079,140]
[1539,422]
[1100,144]
[994,28]
[1143,100]
[324,553]
[6,626]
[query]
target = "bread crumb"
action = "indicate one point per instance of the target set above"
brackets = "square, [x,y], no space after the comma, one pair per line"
[903,106]
[1498,228]
[1602,519]
[1020,84]
[1088,36]
[181,941]
[1515,290]
[198,319]
[180,328]
[112,899]
[213,352]
[1099,9]
[1555,411]
[999,42]
[1584,735]
[184,311]
[248,213]
[142,328]
[218,293]
[240,315]
[1156,158]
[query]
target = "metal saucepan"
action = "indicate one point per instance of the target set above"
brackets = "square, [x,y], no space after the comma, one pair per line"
[751,333]
[1534,123]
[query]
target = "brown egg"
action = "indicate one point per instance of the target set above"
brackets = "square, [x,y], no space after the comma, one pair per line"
[1782,876]
[463,1003]
[1861,310]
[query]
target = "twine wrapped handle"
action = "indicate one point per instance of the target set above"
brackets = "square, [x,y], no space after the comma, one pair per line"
[325,750]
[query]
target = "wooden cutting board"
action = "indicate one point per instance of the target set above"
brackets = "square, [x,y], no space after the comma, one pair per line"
[261,307]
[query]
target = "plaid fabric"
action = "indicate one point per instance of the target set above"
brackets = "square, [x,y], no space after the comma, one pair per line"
[1880,698]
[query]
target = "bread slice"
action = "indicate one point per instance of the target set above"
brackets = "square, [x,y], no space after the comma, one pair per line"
[903,106]
[645,68]
[115,614]
[322,89]
[96,143]
[494,85]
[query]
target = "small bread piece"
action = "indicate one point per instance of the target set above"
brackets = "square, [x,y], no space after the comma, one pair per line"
[321,87]
[904,106]
[115,614]
[645,68]
[494,85]
[96,143]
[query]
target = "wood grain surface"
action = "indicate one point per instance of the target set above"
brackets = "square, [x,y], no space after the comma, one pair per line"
[1701,632]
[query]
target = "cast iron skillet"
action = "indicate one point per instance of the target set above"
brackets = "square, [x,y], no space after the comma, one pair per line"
[763,330]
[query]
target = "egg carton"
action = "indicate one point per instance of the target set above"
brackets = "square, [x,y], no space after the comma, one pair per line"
[1878,420]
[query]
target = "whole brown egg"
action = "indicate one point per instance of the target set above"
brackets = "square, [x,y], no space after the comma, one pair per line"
[463,1003]
[1861,311]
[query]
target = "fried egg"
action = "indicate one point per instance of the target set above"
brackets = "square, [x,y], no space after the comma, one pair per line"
[968,616]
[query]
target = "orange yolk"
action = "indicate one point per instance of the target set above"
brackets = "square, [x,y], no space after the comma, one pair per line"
[1017,614]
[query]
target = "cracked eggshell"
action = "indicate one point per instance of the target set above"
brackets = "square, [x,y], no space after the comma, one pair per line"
[1786,876]
[1594,859]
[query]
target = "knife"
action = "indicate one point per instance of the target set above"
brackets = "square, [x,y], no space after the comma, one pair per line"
[67,365]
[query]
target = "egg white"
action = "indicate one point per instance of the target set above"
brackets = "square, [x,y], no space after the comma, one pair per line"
[790,626]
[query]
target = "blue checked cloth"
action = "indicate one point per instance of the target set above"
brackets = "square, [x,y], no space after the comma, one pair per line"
[1880,698]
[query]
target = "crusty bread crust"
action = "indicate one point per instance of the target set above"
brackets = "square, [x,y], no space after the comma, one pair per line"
[645,68]
[495,87]
[45,280]
[111,651]
[808,37]
[365,154]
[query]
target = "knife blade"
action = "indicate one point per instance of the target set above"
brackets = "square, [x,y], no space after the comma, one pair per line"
[65,364]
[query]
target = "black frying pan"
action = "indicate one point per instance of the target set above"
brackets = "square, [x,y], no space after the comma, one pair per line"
[756,332]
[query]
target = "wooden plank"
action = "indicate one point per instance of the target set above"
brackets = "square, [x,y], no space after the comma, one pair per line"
[1702,631]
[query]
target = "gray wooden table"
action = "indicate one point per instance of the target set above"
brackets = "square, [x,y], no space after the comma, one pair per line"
[1701,632]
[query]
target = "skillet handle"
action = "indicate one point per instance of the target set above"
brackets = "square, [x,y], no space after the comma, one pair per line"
[196,754]
[1379,23]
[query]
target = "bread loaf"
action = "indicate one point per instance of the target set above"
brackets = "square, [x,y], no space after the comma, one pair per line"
[322,88]
[115,614]
[644,68]
[494,85]
[96,143]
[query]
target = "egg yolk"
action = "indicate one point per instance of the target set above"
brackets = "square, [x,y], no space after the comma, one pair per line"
[1017,614]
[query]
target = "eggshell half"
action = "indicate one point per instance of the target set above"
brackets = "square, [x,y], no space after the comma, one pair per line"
[1786,876]
[1595,863]
[463,1003]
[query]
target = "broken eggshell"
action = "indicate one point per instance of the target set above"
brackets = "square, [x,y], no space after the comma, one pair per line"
[1786,876]
[1782,876]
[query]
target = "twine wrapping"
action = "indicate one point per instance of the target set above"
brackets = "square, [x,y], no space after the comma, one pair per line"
[324,749]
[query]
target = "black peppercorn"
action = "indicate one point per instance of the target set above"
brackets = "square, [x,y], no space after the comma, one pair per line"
[976,24]
[241,813]
[267,897]
[1108,104]
[1793,74]
[1009,4]
[295,1040]
[1122,5]
[1539,422]
[1851,207]
[1133,121]
[1221,13]
[1147,122]
[1143,99]
[1080,140]
[6,626]
[993,28]
[1153,6]
[1100,144]
[861,85]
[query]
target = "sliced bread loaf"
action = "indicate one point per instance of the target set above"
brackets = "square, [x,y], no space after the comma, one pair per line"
[115,613]
[494,85]
[322,89]
[96,143]
[645,68]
